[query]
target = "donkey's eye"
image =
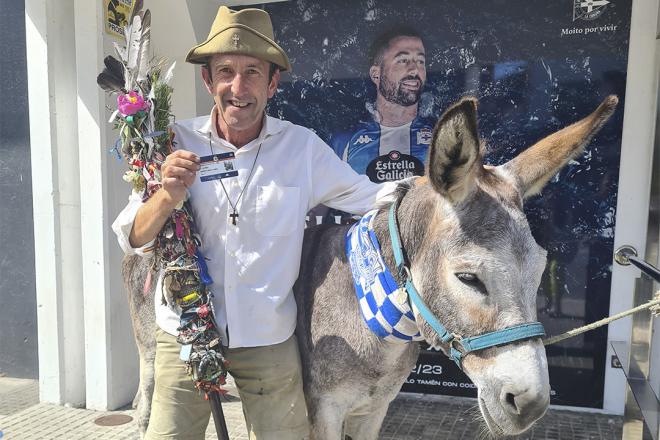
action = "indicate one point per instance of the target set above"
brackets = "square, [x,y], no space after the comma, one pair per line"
[473,281]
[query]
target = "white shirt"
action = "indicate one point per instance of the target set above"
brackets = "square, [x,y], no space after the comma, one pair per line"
[255,263]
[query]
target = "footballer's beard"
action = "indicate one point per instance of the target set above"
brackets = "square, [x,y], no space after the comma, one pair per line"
[397,93]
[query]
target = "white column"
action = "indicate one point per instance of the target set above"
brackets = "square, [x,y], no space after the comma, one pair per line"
[635,178]
[54,146]
[111,364]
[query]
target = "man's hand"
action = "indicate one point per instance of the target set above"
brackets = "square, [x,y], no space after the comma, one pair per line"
[178,174]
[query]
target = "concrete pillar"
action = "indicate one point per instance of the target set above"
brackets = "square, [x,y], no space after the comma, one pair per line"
[111,366]
[56,199]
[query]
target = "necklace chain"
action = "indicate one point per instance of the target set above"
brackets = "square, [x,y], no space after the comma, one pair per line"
[234,206]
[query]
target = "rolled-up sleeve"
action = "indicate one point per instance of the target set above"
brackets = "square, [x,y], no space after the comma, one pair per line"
[335,184]
[123,225]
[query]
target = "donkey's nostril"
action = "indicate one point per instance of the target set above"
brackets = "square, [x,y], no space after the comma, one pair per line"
[511,402]
[523,404]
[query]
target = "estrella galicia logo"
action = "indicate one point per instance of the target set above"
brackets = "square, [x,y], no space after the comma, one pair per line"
[364,139]
[394,166]
[588,9]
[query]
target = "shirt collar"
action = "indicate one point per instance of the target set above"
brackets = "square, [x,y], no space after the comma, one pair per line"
[271,126]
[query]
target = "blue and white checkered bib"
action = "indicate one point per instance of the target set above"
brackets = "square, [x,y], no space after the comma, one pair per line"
[383,304]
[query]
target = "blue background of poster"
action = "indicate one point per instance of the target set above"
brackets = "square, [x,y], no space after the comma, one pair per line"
[534,69]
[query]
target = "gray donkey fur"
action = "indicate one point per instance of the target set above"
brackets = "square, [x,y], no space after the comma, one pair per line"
[141,307]
[473,260]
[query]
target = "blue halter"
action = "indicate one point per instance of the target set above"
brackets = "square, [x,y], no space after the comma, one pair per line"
[459,346]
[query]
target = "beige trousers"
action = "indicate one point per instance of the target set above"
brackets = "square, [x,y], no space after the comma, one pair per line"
[269,382]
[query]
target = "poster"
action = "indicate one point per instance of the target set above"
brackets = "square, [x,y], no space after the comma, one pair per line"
[117,13]
[535,66]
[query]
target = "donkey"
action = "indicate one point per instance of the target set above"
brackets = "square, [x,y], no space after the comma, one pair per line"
[474,262]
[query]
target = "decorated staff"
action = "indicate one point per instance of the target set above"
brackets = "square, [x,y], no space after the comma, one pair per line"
[142,117]
[251,179]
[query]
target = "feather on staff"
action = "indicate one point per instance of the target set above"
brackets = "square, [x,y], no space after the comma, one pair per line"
[111,79]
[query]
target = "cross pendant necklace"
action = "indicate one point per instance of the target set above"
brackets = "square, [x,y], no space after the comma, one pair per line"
[234,206]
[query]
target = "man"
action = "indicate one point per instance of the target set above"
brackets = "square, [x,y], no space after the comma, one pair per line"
[392,146]
[251,226]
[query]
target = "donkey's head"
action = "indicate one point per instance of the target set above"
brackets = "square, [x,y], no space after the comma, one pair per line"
[473,258]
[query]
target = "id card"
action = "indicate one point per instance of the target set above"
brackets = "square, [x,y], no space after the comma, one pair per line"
[217,166]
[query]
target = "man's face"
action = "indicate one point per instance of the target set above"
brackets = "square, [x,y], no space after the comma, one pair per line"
[240,88]
[402,71]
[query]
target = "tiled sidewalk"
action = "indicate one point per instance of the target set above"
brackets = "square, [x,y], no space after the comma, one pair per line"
[415,417]
[22,418]
[411,417]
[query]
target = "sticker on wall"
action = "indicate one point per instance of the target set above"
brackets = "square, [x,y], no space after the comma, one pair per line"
[117,13]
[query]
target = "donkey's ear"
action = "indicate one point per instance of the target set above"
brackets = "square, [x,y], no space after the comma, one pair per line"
[454,154]
[535,166]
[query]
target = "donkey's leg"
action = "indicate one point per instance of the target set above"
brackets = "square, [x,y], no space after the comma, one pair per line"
[145,390]
[135,271]
[326,417]
[366,426]
[138,394]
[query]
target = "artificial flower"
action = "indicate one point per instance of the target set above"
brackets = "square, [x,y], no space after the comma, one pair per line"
[131,103]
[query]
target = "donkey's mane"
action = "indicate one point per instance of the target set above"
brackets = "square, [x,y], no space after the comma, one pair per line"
[402,188]
[412,223]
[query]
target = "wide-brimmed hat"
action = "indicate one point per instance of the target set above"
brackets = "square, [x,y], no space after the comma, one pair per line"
[245,32]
